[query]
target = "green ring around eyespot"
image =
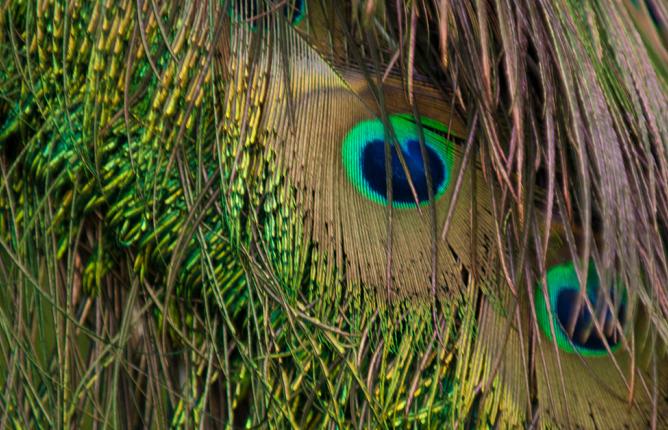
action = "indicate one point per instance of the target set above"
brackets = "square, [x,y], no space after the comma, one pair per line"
[300,17]
[405,130]
[558,275]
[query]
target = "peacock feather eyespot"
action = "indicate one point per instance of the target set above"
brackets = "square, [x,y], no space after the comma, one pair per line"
[563,291]
[363,153]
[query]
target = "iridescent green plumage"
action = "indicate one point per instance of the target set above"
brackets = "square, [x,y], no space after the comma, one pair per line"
[180,243]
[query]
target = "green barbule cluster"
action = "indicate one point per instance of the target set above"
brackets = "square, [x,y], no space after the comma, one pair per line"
[93,161]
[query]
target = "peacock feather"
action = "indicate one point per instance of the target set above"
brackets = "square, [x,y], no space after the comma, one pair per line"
[324,214]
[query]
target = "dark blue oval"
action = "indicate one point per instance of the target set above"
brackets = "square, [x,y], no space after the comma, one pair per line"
[373,169]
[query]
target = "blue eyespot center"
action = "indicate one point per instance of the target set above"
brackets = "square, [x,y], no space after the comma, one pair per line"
[584,334]
[364,160]
[374,172]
